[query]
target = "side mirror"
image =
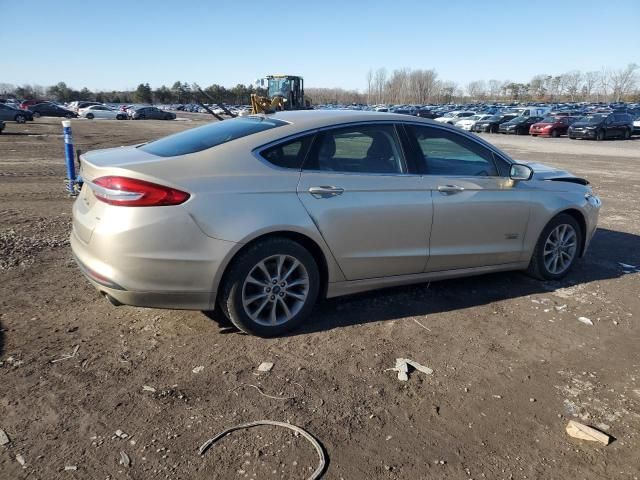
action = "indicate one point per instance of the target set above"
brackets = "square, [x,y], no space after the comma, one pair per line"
[520,172]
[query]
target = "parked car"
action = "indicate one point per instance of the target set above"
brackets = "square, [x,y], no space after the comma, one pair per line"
[78,105]
[492,124]
[151,113]
[425,113]
[2,125]
[256,215]
[51,110]
[468,122]
[636,126]
[101,111]
[518,125]
[600,126]
[14,114]
[534,111]
[27,104]
[552,126]
[453,117]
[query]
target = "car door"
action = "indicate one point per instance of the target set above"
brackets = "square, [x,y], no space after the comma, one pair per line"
[6,113]
[479,214]
[373,214]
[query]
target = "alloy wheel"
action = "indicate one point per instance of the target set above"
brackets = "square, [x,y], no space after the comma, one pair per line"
[275,290]
[560,249]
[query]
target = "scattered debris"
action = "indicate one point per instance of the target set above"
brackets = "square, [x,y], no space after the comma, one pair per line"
[560,307]
[20,460]
[198,369]
[70,468]
[583,432]
[147,388]
[121,434]
[402,367]
[532,399]
[260,391]
[4,438]
[317,473]
[265,367]
[67,357]
[585,320]
[428,329]
[124,459]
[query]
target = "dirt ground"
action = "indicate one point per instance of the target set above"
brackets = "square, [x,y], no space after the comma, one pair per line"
[512,363]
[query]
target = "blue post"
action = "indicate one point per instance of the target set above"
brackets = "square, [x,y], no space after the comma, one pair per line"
[69,157]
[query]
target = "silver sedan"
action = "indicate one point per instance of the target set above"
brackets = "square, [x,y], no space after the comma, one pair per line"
[261,216]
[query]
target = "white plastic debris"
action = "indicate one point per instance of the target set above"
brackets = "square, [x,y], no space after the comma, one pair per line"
[147,388]
[124,459]
[198,369]
[121,434]
[4,438]
[583,432]
[70,468]
[20,460]
[402,367]
[585,320]
[265,367]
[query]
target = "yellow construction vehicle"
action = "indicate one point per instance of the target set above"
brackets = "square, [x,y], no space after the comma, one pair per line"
[284,92]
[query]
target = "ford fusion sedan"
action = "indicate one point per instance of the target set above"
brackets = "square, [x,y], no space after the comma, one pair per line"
[518,125]
[101,111]
[47,109]
[552,126]
[468,122]
[263,215]
[492,124]
[151,113]
[12,114]
[452,117]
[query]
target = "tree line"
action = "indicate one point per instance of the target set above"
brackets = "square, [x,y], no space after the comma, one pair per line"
[407,86]
[179,92]
[402,86]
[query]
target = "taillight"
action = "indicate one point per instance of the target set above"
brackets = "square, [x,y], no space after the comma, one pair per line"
[131,192]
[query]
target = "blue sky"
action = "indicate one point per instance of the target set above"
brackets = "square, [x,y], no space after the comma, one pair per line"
[115,44]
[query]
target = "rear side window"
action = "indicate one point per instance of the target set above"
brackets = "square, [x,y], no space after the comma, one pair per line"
[207,136]
[288,155]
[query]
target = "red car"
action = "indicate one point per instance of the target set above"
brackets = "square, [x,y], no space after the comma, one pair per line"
[552,126]
[29,103]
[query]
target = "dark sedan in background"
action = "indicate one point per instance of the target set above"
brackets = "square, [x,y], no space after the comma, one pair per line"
[152,113]
[519,125]
[552,126]
[1,126]
[600,126]
[492,124]
[51,110]
[12,114]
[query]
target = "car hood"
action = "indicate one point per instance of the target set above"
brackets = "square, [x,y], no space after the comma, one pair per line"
[584,124]
[547,172]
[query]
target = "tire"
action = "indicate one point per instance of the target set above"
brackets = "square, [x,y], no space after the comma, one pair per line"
[627,134]
[120,117]
[542,264]
[36,115]
[493,129]
[68,115]
[600,135]
[268,302]
[534,134]
[555,133]
[168,117]
[90,116]
[21,118]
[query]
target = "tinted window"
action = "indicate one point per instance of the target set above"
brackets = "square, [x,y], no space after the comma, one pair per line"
[288,155]
[360,149]
[447,153]
[207,136]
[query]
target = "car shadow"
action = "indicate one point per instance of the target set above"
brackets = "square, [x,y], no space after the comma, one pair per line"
[608,249]
[1,340]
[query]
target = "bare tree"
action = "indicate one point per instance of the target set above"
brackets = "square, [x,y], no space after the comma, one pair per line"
[572,81]
[477,90]
[591,80]
[623,81]
[369,85]
[379,83]
[495,88]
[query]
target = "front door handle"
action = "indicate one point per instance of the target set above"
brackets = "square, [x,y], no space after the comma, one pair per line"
[450,189]
[326,191]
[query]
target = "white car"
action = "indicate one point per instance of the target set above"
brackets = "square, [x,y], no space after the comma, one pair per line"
[636,126]
[467,123]
[101,111]
[452,117]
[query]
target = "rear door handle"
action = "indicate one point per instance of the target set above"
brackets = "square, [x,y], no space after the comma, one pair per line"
[450,189]
[326,191]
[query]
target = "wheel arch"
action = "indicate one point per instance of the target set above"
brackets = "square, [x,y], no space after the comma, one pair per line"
[578,216]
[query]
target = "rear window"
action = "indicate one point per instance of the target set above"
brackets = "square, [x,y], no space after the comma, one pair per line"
[207,136]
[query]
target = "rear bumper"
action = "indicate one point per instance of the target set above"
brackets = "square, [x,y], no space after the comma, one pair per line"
[150,258]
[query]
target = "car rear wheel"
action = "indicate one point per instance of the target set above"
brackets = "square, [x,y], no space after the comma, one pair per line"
[557,248]
[270,288]
[20,118]
[555,133]
[120,117]
[90,116]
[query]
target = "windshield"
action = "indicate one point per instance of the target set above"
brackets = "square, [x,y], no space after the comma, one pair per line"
[592,118]
[493,118]
[210,135]
[279,87]
[518,119]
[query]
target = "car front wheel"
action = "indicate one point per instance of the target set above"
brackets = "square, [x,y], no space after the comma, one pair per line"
[20,118]
[557,249]
[270,288]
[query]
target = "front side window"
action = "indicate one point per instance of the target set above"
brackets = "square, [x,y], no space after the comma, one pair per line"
[359,149]
[448,153]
